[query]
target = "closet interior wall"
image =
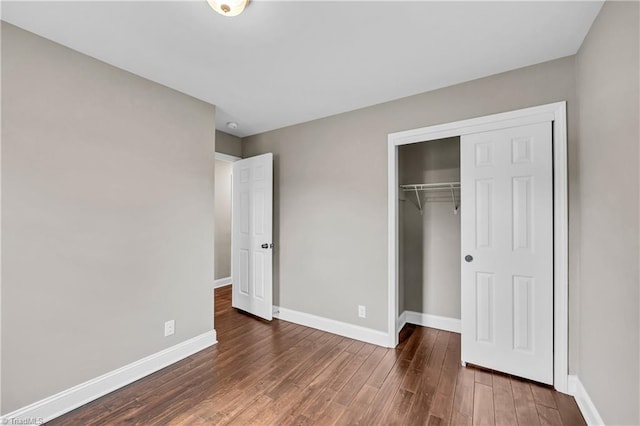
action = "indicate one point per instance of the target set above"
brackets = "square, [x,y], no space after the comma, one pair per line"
[429,242]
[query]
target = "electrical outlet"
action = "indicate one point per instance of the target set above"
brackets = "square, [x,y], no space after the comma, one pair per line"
[169,328]
[362,311]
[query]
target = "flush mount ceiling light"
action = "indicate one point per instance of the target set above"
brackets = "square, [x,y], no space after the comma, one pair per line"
[228,7]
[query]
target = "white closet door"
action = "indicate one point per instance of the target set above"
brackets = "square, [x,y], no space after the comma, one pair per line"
[507,250]
[252,235]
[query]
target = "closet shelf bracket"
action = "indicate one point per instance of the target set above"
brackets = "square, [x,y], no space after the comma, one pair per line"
[453,199]
[419,203]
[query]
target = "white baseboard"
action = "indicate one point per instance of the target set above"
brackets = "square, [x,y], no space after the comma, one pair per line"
[433,321]
[351,331]
[401,322]
[72,398]
[222,282]
[586,405]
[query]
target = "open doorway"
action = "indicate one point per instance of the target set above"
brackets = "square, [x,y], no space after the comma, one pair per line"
[429,234]
[223,215]
[244,231]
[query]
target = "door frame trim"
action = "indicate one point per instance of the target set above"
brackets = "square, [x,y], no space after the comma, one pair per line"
[554,112]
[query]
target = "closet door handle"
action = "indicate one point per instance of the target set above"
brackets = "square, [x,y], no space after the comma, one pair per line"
[468,258]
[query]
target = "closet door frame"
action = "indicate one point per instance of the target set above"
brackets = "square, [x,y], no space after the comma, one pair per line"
[555,113]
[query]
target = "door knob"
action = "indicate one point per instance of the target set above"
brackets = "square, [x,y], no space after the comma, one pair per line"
[468,258]
[265,246]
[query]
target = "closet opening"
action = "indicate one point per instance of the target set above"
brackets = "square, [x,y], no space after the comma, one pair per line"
[512,243]
[429,234]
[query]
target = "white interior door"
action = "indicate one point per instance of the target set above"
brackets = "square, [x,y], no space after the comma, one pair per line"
[507,250]
[252,235]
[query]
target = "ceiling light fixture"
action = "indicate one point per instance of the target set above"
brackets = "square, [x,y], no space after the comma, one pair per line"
[228,7]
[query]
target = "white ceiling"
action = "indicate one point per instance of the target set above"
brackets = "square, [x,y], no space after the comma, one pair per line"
[282,63]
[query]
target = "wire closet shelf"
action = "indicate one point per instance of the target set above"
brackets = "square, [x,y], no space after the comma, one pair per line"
[442,191]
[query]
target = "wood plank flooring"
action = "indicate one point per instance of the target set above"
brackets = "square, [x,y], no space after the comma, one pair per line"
[280,373]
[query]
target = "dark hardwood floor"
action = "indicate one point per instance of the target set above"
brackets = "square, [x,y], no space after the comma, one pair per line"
[280,373]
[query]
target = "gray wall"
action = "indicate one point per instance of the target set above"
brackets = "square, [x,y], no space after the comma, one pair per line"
[228,144]
[107,217]
[607,84]
[431,241]
[330,187]
[223,219]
